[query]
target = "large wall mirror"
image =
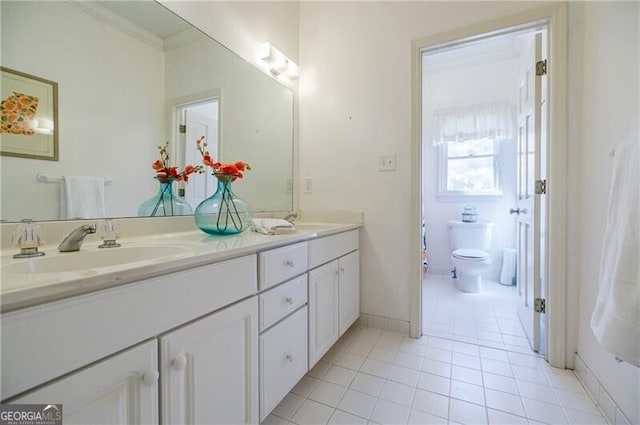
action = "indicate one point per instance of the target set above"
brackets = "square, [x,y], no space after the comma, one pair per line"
[128,74]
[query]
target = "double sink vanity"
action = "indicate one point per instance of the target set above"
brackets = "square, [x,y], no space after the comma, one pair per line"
[176,327]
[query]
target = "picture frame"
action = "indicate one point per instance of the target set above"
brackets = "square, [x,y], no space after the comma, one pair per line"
[28,116]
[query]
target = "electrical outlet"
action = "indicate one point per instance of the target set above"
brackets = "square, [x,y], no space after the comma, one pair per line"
[308,185]
[387,162]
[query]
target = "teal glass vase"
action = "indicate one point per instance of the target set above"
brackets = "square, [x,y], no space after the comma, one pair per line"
[223,213]
[165,203]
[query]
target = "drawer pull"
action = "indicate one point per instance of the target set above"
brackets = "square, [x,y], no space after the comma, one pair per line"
[150,378]
[289,300]
[290,357]
[288,263]
[179,362]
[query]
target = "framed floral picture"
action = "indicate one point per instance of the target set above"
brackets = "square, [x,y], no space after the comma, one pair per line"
[28,116]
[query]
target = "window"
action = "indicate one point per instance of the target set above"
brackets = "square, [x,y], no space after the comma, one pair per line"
[470,168]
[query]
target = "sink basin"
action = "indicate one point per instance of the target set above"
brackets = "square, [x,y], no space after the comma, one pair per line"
[91,259]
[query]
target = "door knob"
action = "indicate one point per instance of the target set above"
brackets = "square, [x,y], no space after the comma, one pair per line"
[517,211]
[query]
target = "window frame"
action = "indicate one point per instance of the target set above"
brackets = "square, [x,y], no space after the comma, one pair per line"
[453,195]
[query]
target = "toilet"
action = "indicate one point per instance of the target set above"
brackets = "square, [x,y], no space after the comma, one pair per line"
[470,243]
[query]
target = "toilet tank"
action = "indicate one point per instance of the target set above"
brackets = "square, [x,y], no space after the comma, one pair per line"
[470,235]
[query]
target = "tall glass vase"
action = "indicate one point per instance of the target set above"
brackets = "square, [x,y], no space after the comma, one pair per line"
[223,213]
[165,202]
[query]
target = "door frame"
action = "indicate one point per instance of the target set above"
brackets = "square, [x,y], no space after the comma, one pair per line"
[555,17]
[176,104]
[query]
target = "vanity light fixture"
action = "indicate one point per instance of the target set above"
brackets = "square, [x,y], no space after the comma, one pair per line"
[277,63]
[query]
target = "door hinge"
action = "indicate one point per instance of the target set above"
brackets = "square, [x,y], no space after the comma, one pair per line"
[182,128]
[541,67]
[539,305]
[541,187]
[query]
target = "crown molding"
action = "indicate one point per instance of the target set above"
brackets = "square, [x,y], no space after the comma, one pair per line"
[118,22]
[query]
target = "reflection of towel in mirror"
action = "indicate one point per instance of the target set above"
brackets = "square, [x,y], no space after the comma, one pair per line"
[82,197]
[272,226]
[616,318]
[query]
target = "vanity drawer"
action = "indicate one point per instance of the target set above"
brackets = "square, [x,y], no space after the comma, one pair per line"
[276,303]
[331,247]
[280,264]
[283,359]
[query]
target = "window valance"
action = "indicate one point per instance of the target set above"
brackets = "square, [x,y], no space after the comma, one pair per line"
[492,120]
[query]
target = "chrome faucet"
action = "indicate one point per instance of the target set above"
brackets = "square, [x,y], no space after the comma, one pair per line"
[73,240]
[291,216]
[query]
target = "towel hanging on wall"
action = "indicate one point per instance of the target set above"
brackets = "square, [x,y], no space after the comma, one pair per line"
[82,197]
[616,318]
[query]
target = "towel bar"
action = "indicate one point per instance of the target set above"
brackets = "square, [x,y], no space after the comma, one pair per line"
[45,178]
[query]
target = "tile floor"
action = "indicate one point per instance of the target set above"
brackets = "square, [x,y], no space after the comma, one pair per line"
[489,318]
[473,366]
[377,377]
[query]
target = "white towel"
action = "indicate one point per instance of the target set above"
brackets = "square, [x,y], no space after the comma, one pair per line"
[616,318]
[82,197]
[272,226]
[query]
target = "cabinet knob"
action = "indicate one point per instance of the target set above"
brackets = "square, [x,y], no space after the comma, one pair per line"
[288,263]
[289,300]
[150,378]
[290,357]
[179,362]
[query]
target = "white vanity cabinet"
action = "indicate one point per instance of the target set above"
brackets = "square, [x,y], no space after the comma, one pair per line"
[283,322]
[209,369]
[334,290]
[123,389]
[220,343]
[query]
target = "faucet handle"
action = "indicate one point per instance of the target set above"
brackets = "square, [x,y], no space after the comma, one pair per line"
[28,237]
[109,232]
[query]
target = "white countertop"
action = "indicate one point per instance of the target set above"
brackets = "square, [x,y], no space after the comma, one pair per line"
[186,250]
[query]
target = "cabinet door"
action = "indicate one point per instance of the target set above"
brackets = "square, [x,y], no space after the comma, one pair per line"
[122,389]
[349,290]
[283,359]
[323,310]
[210,368]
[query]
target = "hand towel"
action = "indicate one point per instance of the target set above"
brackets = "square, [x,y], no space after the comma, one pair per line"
[272,226]
[82,197]
[616,318]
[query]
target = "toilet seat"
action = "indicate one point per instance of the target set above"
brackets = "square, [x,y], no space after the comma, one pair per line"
[470,254]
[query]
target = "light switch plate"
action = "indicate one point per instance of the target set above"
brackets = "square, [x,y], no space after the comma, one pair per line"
[387,162]
[308,185]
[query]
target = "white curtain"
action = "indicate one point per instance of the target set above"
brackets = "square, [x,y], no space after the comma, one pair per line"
[492,120]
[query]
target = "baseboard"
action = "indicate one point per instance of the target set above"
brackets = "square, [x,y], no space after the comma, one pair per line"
[383,323]
[599,394]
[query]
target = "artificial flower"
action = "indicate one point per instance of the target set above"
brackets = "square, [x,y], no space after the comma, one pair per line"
[164,171]
[235,170]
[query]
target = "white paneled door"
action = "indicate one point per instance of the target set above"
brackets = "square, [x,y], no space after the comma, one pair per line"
[531,141]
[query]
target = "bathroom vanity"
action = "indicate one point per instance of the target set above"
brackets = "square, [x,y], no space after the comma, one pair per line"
[211,330]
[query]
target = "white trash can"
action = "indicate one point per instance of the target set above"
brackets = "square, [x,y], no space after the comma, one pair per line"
[508,272]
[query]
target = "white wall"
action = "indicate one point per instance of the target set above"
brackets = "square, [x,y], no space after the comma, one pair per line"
[243,25]
[610,115]
[355,103]
[90,143]
[483,81]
